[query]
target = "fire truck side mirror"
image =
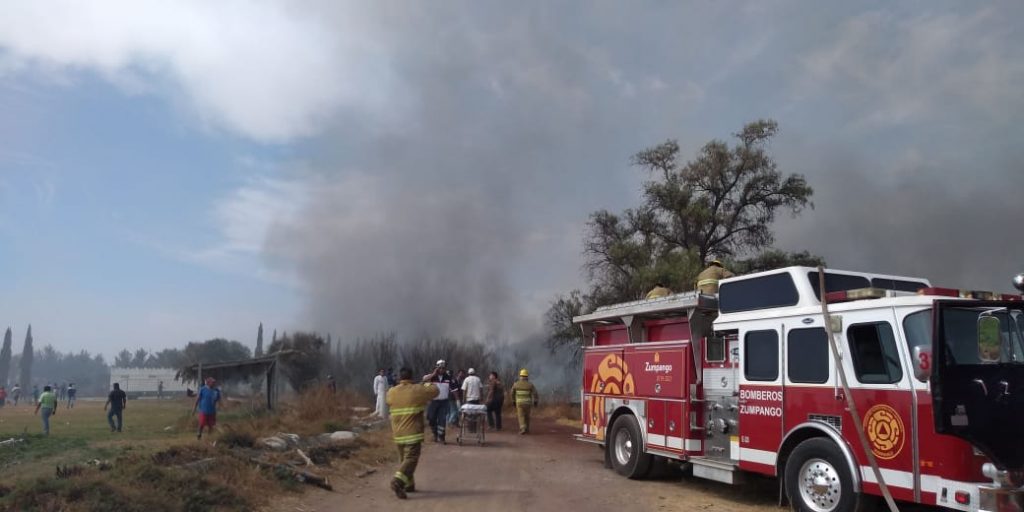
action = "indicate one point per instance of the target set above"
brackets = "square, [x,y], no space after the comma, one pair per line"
[922,363]
[989,345]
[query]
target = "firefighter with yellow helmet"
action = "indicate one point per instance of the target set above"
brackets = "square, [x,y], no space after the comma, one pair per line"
[707,280]
[525,396]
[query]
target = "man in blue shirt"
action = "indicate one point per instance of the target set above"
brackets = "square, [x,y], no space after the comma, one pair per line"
[118,401]
[206,404]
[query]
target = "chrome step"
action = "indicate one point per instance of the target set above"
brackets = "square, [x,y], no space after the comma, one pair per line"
[716,470]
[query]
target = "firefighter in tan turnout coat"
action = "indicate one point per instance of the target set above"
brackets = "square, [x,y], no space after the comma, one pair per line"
[525,396]
[707,280]
[407,402]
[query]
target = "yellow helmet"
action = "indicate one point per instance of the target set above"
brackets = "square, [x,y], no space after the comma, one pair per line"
[716,261]
[524,373]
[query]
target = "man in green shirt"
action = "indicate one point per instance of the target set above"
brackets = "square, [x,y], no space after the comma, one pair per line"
[48,404]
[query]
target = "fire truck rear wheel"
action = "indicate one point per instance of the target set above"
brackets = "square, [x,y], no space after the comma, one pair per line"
[626,448]
[818,479]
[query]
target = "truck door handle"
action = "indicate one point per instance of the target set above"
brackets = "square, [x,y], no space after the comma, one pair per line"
[1006,388]
[984,388]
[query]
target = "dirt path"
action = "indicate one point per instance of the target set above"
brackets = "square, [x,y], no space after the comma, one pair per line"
[545,471]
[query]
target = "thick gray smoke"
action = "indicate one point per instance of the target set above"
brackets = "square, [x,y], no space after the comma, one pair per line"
[464,217]
[460,210]
[958,226]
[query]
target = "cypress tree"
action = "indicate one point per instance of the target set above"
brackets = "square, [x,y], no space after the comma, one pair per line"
[259,341]
[5,358]
[28,354]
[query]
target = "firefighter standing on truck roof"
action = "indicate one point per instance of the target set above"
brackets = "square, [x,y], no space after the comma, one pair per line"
[659,290]
[707,280]
[407,402]
[525,395]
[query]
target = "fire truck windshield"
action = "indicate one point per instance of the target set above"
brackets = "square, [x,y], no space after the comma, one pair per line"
[961,326]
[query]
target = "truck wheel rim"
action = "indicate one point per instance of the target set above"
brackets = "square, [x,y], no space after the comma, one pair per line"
[819,485]
[623,447]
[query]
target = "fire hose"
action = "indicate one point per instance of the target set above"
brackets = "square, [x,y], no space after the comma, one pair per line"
[851,403]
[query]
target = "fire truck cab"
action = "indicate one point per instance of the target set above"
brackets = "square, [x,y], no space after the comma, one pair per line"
[745,382]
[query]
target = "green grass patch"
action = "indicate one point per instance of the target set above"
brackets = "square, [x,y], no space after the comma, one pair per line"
[37,447]
[156,463]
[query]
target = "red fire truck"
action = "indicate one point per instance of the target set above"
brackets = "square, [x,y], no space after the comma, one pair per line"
[744,382]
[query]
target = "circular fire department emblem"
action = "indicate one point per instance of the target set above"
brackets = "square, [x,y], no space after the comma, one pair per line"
[612,377]
[885,431]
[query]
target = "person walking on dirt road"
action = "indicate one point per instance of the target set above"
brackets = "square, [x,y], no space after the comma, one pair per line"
[206,404]
[525,395]
[437,410]
[472,388]
[48,404]
[72,393]
[495,400]
[118,401]
[457,399]
[407,401]
[380,390]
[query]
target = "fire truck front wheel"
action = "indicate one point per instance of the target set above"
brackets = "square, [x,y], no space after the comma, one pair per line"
[818,479]
[626,447]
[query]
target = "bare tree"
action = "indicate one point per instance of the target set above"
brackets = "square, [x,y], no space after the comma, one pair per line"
[5,358]
[259,342]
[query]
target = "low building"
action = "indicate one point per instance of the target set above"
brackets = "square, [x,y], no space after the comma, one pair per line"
[146,381]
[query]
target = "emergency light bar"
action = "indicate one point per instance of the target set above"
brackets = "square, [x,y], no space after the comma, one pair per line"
[967,294]
[857,294]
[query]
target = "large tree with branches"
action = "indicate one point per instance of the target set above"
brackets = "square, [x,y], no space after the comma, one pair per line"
[721,203]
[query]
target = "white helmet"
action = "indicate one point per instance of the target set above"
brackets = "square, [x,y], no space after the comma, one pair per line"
[471,371]
[440,362]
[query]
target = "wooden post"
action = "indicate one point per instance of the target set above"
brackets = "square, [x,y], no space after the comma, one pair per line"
[270,386]
[850,402]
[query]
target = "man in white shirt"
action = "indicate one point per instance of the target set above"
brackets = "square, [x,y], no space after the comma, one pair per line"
[380,388]
[437,409]
[472,387]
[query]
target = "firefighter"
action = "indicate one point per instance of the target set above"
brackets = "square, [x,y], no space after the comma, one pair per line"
[407,402]
[525,395]
[707,280]
[659,290]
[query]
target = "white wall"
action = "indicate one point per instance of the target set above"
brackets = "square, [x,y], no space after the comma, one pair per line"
[145,380]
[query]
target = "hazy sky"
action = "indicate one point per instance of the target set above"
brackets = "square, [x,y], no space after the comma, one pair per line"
[176,172]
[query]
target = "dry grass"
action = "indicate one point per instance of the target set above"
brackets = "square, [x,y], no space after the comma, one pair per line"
[559,411]
[161,470]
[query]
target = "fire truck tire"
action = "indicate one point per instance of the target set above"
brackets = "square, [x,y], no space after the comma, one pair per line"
[818,479]
[626,445]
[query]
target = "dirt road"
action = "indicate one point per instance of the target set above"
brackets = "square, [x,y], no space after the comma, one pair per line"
[544,471]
